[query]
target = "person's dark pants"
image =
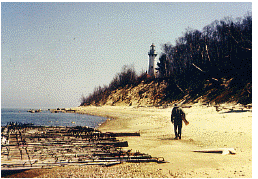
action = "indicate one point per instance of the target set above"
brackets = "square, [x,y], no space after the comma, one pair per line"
[178,129]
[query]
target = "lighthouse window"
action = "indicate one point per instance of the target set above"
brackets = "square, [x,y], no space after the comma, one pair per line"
[151,66]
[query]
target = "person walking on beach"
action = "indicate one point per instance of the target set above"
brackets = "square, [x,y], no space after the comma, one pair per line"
[177,116]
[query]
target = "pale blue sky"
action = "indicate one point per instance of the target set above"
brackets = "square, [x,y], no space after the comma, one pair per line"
[52,53]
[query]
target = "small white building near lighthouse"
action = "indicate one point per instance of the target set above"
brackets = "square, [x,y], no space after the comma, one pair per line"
[152,62]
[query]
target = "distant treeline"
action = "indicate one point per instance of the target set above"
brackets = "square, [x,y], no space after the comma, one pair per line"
[218,58]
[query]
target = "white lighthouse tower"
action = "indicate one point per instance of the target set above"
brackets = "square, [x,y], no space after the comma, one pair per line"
[152,65]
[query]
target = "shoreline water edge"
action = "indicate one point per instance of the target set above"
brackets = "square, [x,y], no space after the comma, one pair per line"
[49,117]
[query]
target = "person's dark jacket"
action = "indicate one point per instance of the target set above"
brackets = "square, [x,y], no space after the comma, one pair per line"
[177,115]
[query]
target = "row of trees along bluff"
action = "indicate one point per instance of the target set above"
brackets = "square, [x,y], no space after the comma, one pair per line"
[214,64]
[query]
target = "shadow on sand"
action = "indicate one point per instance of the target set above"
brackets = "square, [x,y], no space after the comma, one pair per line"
[169,138]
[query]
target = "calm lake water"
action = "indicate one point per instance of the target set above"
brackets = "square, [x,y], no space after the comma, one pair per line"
[46,118]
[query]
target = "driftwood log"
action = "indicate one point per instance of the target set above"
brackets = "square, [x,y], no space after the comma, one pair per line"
[223,151]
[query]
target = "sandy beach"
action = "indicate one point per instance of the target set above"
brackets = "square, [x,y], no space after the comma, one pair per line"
[208,129]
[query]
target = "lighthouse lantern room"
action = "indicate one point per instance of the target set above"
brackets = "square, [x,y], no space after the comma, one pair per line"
[152,65]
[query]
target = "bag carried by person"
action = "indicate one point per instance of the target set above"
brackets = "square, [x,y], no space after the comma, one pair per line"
[184,119]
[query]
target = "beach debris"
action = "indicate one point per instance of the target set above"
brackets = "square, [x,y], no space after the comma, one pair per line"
[34,111]
[223,151]
[186,106]
[234,108]
[218,108]
[25,146]
[63,110]
[31,111]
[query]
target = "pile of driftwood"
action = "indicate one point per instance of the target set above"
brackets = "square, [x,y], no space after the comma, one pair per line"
[25,146]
